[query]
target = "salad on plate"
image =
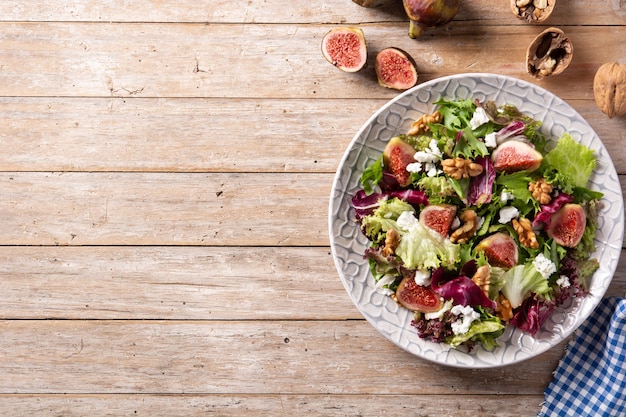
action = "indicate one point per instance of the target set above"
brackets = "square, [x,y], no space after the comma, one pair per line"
[477,221]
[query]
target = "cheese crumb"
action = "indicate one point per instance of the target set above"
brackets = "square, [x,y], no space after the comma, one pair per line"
[468,316]
[544,266]
[563,281]
[490,140]
[507,214]
[507,196]
[479,118]
[422,277]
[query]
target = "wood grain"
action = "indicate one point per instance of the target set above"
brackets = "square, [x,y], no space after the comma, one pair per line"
[166,170]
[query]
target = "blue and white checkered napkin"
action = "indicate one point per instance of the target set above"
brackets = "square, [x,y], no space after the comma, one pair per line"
[591,378]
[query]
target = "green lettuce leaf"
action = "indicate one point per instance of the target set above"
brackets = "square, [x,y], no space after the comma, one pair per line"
[570,163]
[423,248]
[520,281]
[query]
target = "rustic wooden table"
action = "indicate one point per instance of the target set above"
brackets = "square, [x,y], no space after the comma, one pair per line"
[166,171]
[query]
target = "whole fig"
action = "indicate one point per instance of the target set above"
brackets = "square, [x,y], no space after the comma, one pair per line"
[425,14]
[609,89]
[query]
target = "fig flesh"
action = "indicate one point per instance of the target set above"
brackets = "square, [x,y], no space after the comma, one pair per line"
[568,225]
[396,157]
[396,69]
[374,3]
[417,297]
[500,250]
[424,14]
[515,155]
[345,48]
[438,217]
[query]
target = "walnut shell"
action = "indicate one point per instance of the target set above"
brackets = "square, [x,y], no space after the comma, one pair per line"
[609,89]
[532,11]
[549,53]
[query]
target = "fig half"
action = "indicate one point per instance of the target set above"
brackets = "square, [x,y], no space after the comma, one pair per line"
[416,297]
[549,53]
[568,225]
[397,155]
[396,69]
[345,48]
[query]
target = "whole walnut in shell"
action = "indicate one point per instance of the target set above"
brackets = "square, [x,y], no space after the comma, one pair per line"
[609,89]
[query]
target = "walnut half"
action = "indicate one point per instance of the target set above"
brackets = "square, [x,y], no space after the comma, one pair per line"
[459,168]
[549,53]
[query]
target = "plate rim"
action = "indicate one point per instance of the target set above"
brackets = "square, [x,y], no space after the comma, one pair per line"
[595,300]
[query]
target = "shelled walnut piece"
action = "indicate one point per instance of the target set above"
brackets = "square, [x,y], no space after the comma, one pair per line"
[420,126]
[482,278]
[532,11]
[503,308]
[459,168]
[467,229]
[549,53]
[392,240]
[525,233]
[541,191]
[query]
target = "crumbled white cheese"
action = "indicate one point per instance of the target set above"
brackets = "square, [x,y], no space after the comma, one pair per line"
[414,167]
[490,140]
[506,196]
[467,316]
[439,313]
[422,277]
[407,220]
[479,118]
[507,214]
[456,223]
[544,266]
[563,281]
[427,160]
[385,280]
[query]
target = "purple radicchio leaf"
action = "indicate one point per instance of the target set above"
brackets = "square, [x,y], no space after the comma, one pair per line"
[365,204]
[481,186]
[462,290]
[544,217]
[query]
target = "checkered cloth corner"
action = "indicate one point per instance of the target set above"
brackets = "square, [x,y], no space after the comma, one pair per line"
[591,378]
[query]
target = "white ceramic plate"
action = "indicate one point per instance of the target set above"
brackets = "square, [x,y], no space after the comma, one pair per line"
[395,117]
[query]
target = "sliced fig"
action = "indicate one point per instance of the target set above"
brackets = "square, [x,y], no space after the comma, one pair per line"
[568,225]
[345,48]
[417,297]
[500,250]
[515,155]
[438,217]
[425,14]
[396,69]
[396,157]
[374,3]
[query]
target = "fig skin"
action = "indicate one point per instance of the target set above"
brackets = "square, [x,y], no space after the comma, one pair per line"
[374,3]
[515,155]
[396,69]
[567,225]
[416,297]
[345,48]
[500,250]
[438,217]
[424,14]
[396,156]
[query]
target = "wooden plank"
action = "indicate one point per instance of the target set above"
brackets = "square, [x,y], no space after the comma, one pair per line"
[179,283]
[215,209]
[238,357]
[283,11]
[497,405]
[195,135]
[226,60]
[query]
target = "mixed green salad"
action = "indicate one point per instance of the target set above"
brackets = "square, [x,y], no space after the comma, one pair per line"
[477,221]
